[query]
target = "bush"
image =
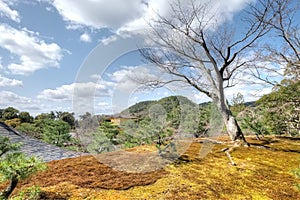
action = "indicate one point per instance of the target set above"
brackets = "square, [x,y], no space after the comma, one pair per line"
[13,122]
[280,110]
[56,132]
[30,129]
[296,172]
[15,166]
[32,193]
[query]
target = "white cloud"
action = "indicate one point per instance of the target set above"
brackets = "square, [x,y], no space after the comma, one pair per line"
[75,90]
[220,10]
[6,82]
[8,12]
[34,54]
[250,92]
[109,39]
[103,104]
[200,97]
[131,17]
[22,103]
[95,76]
[63,92]
[256,94]
[1,65]
[99,13]
[128,77]
[85,37]
[32,105]
[128,17]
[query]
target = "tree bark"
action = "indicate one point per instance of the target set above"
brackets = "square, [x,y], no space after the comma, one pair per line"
[10,188]
[232,127]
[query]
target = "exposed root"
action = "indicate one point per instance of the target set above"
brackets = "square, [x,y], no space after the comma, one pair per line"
[261,146]
[241,143]
[227,152]
[230,158]
[203,140]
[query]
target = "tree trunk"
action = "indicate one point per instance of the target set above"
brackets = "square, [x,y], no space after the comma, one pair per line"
[10,188]
[232,127]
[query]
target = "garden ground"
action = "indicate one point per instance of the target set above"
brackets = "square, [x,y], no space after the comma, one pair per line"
[262,172]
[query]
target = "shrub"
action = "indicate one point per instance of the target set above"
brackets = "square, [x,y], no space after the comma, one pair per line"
[32,193]
[13,122]
[15,166]
[296,172]
[56,132]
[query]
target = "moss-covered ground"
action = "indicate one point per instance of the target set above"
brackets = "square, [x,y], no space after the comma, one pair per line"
[262,171]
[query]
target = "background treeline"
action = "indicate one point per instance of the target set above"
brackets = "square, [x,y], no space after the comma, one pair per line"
[277,113]
[53,127]
[151,122]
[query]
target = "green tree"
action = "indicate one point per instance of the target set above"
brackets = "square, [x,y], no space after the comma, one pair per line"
[6,146]
[110,131]
[10,113]
[44,116]
[88,121]
[129,134]
[15,165]
[25,117]
[56,132]
[69,118]
[190,121]
[238,104]
[103,139]
[1,114]
[31,129]
[281,109]
[252,121]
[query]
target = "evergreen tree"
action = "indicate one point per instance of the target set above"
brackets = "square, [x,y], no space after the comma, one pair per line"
[56,132]
[15,166]
[10,113]
[281,109]
[25,117]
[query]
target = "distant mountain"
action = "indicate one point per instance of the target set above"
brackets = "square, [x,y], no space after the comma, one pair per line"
[250,104]
[138,109]
[169,104]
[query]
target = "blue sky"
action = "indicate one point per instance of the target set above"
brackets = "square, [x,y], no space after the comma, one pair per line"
[50,47]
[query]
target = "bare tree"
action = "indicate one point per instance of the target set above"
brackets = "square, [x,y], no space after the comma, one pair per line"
[197,48]
[285,29]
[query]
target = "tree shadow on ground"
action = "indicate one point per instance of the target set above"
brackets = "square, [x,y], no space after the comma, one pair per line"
[275,144]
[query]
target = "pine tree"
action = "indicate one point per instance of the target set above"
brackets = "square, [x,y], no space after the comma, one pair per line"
[15,166]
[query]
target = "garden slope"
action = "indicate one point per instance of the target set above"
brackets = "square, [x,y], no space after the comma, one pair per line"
[261,173]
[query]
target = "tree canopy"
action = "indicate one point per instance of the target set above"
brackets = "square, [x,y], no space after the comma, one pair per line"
[15,165]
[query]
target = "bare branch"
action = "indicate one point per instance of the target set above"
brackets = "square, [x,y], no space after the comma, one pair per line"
[194,48]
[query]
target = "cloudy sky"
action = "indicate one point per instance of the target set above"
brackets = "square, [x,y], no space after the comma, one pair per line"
[81,55]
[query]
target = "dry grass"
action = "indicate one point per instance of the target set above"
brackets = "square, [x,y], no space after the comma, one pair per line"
[259,174]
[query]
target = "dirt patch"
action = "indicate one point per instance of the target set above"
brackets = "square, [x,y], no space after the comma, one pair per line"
[87,172]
